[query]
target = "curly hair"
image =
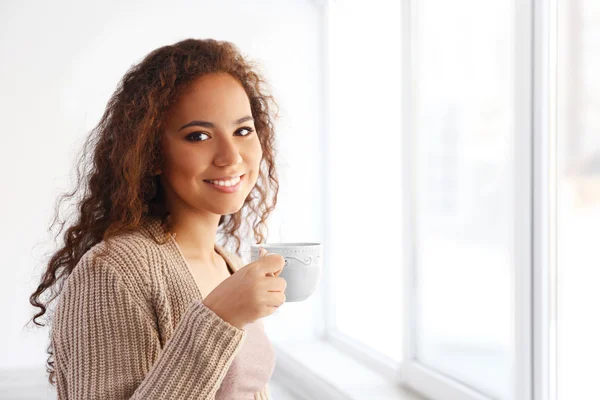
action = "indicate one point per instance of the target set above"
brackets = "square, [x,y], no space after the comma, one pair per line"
[119,192]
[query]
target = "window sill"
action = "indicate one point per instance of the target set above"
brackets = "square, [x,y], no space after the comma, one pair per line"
[317,370]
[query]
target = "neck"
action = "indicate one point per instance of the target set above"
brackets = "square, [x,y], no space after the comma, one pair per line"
[195,234]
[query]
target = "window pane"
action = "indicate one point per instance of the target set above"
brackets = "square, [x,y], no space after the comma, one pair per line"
[578,203]
[364,190]
[464,219]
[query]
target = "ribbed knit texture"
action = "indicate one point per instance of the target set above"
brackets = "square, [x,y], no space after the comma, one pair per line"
[133,326]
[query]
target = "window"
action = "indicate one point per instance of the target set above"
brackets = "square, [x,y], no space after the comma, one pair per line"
[463,145]
[365,173]
[578,200]
[463,162]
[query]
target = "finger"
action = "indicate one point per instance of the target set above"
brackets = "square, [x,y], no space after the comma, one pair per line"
[272,263]
[277,285]
[281,269]
[271,271]
[276,299]
[263,252]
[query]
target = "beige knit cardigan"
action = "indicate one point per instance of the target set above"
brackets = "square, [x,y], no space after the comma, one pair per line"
[133,326]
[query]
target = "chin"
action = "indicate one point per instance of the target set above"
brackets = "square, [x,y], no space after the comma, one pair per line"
[222,209]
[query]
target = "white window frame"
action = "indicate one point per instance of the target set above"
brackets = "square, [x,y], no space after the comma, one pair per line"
[534,232]
[545,189]
[534,224]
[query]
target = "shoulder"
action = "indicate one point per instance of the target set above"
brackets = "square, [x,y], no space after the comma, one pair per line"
[123,260]
[126,254]
[111,277]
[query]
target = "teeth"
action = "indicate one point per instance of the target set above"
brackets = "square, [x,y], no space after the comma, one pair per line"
[231,182]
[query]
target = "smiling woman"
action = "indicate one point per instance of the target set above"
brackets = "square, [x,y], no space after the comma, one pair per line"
[213,102]
[186,146]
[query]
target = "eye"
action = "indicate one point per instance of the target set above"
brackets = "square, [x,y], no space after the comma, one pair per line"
[195,134]
[247,128]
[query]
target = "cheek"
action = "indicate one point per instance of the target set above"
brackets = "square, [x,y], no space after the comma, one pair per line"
[188,163]
[254,162]
[257,154]
[181,164]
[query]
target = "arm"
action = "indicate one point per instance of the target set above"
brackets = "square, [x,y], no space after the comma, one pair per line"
[106,347]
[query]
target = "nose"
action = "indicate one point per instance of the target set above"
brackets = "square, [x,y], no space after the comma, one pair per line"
[227,153]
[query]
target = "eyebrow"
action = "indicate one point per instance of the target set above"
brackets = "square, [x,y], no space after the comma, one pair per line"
[211,125]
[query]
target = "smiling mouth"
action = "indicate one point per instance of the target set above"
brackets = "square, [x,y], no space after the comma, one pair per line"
[224,188]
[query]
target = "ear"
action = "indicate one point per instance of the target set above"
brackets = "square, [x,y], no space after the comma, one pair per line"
[157,171]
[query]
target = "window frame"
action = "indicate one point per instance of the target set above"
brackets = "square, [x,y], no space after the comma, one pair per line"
[535,167]
[534,203]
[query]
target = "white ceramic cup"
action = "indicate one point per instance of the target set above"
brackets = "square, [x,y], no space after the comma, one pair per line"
[302,268]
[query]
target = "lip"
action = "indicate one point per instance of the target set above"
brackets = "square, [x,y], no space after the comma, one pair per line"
[225,178]
[227,189]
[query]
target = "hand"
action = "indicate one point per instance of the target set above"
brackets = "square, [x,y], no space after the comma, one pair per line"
[252,292]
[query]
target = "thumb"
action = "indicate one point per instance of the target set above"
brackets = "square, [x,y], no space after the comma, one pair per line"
[263,252]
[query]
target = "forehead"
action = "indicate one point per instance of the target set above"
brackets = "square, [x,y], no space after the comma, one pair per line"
[212,97]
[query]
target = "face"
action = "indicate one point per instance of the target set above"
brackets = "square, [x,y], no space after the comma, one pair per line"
[207,136]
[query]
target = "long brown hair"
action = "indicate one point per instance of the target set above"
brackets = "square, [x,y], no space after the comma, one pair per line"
[118,189]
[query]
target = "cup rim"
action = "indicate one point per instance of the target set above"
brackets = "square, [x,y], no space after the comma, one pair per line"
[287,244]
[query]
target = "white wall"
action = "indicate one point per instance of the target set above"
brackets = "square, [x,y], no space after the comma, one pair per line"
[61,61]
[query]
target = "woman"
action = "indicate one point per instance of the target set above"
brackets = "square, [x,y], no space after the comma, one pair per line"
[153,307]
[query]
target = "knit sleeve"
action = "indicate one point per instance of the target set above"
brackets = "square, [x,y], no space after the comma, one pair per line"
[106,347]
